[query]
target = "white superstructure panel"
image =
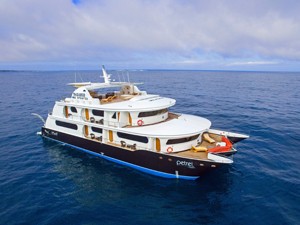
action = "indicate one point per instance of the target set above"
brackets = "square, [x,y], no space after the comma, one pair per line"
[138,103]
[185,125]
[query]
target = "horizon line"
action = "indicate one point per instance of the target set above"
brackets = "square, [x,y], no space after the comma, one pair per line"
[204,70]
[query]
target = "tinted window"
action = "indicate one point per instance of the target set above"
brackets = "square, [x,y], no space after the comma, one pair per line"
[73,109]
[182,140]
[67,125]
[97,130]
[152,113]
[133,137]
[98,112]
[114,116]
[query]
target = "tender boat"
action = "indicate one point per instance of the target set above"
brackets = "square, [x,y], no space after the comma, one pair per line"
[136,129]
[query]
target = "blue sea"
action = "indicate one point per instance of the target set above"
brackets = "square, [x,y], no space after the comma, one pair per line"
[43,182]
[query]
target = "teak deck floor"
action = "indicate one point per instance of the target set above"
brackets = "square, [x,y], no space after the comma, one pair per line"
[200,155]
[192,155]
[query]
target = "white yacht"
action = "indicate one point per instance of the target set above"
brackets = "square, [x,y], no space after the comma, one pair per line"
[136,129]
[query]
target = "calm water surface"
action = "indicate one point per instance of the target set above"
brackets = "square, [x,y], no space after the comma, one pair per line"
[42,182]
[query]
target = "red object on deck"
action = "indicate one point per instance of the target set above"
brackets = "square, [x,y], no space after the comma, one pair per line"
[222,148]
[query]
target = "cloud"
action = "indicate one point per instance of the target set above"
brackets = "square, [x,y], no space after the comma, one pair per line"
[252,63]
[142,32]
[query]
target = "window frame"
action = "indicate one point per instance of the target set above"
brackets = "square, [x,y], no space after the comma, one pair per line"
[132,137]
[152,113]
[73,109]
[97,112]
[96,129]
[182,140]
[66,125]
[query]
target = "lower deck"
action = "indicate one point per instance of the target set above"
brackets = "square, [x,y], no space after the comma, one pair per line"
[160,164]
[195,147]
[188,153]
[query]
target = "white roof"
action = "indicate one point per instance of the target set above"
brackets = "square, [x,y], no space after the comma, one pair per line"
[140,103]
[94,86]
[184,126]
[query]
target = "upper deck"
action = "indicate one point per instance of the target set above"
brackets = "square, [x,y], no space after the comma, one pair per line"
[116,96]
[116,104]
[119,100]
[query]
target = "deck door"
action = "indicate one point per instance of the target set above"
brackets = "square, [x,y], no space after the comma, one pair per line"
[157,144]
[87,114]
[110,136]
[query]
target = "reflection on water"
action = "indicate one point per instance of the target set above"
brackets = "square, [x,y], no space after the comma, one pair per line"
[98,182]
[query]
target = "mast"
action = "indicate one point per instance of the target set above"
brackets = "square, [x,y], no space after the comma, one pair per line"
[105,75]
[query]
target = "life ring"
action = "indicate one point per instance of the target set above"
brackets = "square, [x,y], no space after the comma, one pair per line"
[169,149]
[140,122]
[219,149]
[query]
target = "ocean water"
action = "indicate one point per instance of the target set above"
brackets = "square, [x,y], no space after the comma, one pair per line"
[43,182]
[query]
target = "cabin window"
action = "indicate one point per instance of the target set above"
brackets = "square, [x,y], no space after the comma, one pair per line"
[73,109]
[182,140]
[98,112]
[97,130]
[114,116]
[152,113]
[133,137]
[66,125]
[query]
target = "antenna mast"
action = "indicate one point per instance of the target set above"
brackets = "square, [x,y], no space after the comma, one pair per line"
[105,75]
[128,76]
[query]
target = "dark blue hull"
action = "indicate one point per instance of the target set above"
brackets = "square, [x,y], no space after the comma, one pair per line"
[163,165]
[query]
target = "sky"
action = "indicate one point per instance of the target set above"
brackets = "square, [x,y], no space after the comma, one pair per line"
[256,35]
